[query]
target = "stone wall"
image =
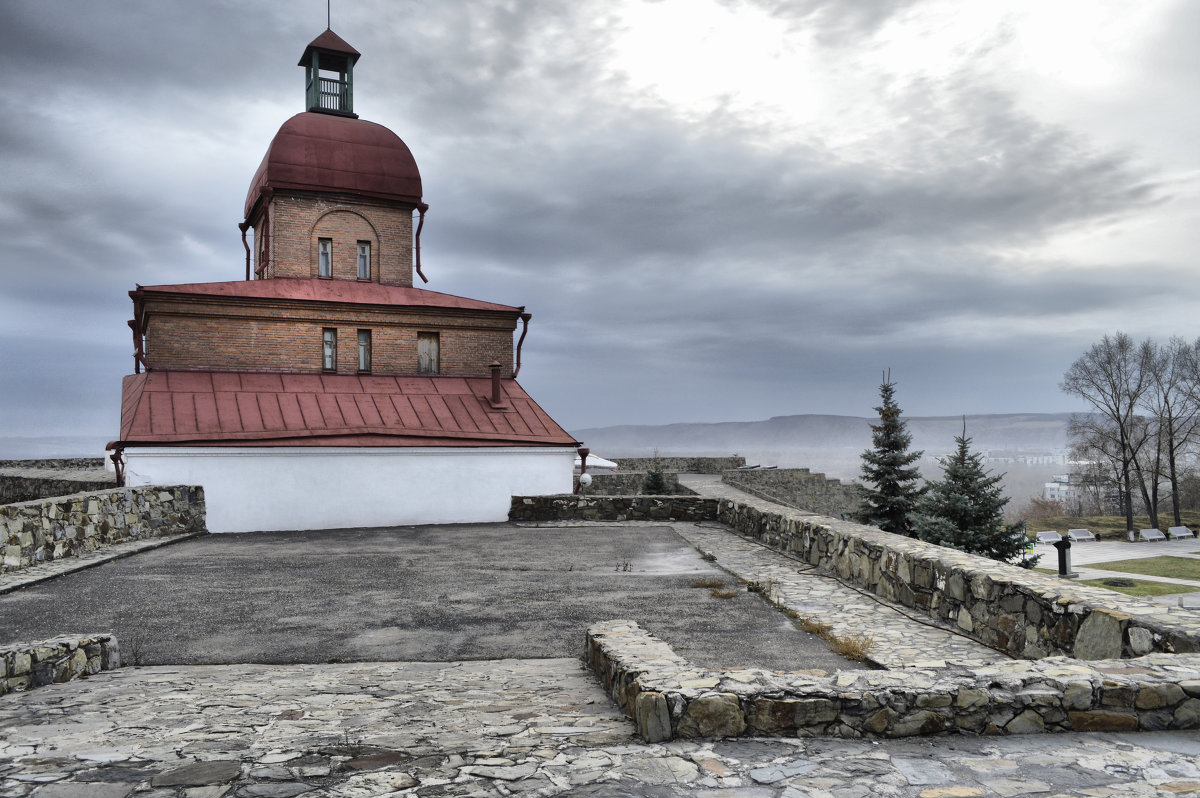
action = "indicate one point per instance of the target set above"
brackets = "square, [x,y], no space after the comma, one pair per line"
[1027,614]
[798,488]
[38,531]
[667,697]
[56,464]
[24,666]
[680,465]
[25,480]
[629,483]
[1022,612]
[611,508]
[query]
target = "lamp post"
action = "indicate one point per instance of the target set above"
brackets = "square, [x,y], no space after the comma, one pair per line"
[585,478]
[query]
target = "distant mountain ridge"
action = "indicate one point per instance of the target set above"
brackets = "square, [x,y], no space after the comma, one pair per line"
[1016,432]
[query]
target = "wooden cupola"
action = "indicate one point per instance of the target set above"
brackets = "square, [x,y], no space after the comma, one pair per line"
[325,93]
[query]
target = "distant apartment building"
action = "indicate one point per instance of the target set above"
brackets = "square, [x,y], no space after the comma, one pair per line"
[1062,489]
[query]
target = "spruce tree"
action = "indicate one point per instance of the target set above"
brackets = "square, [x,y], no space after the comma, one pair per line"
[965,509]
[893,482]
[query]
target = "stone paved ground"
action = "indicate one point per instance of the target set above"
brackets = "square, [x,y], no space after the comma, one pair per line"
[898,638]
[521,726]
[496,728]
[433,593]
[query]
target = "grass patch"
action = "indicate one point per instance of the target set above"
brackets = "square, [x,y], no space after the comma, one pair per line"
[854,648]
[709,581]
[723,594]
[1175,567]
[1142,588]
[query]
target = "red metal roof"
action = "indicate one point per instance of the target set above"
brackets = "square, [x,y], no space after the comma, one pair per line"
[332,42]
[208,408]
[345,291]
[326,152]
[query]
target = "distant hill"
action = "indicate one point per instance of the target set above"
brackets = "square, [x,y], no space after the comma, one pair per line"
[1024,432]
[832,444]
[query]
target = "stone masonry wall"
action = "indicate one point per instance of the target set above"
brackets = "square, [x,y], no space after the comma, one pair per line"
[56,464]
[38,531]
[798,488]
[681,465]
[1027,614]
[667,697]
[25,480]
[611,508]
[24,666]
[629,483]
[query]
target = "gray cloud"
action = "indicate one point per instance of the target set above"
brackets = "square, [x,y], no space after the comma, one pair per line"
[677,269]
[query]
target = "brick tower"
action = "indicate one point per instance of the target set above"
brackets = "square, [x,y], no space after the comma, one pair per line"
[325,390]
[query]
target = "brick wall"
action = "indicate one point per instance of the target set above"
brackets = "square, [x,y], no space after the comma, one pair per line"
[195,332]
[297,219]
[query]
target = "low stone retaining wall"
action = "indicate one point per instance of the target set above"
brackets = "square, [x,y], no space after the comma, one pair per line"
[38,531]
[667,697]
[680,465]
[28,480]
[1024,613]
[57,464]
[798,488]
[612,508]
[24,666]
[629,483]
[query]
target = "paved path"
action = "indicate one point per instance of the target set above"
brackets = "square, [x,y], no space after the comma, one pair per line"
[15,580]
[496,728]
[899,637]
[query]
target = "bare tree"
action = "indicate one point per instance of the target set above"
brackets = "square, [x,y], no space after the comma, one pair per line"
[1174,401]
[1111,376]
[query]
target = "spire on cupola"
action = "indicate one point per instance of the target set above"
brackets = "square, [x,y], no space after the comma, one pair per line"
[325,93]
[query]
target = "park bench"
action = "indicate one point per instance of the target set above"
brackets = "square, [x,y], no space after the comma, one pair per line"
[1080,534]
[1048,537]
[1152,534]
[1180,532]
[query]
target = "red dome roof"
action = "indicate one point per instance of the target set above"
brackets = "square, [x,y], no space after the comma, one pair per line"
[324,152]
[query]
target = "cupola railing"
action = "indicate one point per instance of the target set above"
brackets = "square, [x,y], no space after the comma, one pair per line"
[330,94]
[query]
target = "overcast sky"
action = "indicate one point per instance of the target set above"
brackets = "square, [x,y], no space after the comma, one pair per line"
[715,209]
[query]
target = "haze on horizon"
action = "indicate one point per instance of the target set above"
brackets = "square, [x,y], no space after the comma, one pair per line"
[716,210]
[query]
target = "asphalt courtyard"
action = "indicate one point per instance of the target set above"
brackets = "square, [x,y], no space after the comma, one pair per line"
[429,593]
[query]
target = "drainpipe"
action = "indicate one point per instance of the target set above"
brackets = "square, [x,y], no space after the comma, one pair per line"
[525,317]
[244,226]
[118,461]
[420,223]
[136,325]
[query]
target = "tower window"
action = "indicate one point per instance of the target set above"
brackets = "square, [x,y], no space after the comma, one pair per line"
[428,355]
[325,257]
[329,349]
[364,350]
[364,260]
